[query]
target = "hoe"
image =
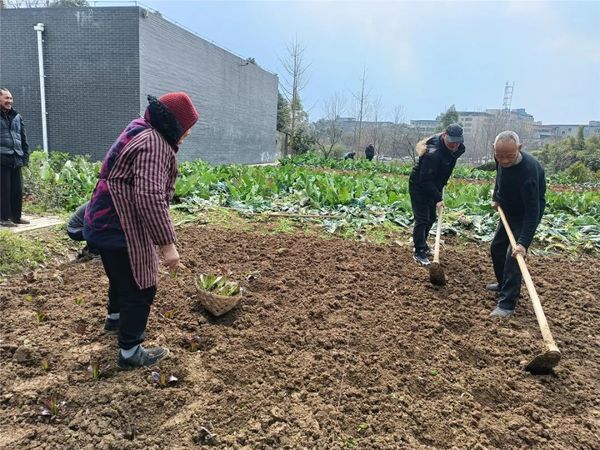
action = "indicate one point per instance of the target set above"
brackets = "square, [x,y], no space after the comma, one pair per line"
[544,363]
[436,273]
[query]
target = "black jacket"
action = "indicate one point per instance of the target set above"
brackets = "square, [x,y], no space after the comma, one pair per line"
[433,169]
[14,151]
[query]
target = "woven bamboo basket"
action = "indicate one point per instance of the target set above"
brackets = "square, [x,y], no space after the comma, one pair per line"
[217,305]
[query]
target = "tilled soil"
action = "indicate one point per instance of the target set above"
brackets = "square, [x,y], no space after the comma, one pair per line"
[336,344]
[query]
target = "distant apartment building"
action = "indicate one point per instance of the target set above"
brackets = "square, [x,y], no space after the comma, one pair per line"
[549,133]
[349,123]
[481,127]
[426,126]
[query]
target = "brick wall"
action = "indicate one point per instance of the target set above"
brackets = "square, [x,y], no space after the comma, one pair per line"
[92,73]
[100,64]
[237,101]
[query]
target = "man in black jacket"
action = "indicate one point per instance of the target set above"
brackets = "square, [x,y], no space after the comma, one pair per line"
[14,154]
[370,152]
[437,158]
[520,190]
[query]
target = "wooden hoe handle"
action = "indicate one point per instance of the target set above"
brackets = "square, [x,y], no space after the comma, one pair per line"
[438,235]
[537,306]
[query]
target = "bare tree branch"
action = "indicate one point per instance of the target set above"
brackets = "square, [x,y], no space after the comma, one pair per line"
[295,80]
[328,130]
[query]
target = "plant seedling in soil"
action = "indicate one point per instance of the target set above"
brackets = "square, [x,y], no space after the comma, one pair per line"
[52,406]
[351,443]
[169,314]
[45,365]
[40,316]
[434,372]
[194,344]
[364,426]
[79,300]
[28,298]
[162,379]
[96,370]
[129,433]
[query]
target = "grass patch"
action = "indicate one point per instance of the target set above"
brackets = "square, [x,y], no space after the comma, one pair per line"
[19,253]
[285,226]
[26,251]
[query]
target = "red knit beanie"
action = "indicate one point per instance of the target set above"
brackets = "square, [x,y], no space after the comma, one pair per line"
[181,106]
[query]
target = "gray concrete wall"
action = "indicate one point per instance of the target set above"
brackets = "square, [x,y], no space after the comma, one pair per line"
[237,101]
[92,73]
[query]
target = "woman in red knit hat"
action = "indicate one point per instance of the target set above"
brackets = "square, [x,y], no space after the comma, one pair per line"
[127,219]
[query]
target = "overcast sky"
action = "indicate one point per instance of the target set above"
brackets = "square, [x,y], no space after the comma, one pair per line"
[422,56]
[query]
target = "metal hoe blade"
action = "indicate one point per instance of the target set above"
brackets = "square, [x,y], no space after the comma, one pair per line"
[436,274]
[544,363]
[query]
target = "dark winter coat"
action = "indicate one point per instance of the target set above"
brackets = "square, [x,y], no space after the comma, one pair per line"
[14,151]
[433,169]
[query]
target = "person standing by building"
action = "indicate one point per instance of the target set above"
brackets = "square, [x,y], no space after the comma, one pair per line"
[520,190]
[14,155]
[127,219]
[437,157]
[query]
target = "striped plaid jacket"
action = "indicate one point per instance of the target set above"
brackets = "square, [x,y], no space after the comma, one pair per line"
[141,184]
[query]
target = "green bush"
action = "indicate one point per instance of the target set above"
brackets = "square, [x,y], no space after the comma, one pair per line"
[561,155]
[302,142]
[579,172]
[59,181]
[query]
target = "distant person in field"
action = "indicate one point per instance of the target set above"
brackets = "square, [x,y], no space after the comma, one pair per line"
[520,190]
[127,219]
[75,232]
[370,152]
[14,155]
[350,155]
[437,157]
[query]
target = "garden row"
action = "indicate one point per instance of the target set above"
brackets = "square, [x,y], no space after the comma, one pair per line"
[344,201]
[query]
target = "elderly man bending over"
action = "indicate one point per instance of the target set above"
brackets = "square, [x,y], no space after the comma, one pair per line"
[520,190]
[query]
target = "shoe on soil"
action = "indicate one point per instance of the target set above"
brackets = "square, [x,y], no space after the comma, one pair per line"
[492,287]
[421,257]
[499,312]
[111,326]
[7,223]
[21,221]
[428,251]
[143,357]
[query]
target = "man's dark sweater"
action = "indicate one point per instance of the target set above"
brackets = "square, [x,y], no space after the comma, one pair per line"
[520,190]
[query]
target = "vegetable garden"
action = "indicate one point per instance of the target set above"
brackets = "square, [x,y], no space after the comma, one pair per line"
[339,340]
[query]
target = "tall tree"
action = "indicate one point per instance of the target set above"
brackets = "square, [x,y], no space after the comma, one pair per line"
[580,139]
[362,103]
[376,134]
[283,114]
[328,130]
[450,116]
[295,80]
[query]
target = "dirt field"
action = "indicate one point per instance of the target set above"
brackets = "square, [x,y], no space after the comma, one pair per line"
[337,344]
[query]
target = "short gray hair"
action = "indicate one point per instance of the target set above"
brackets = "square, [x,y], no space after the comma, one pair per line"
[507,135]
